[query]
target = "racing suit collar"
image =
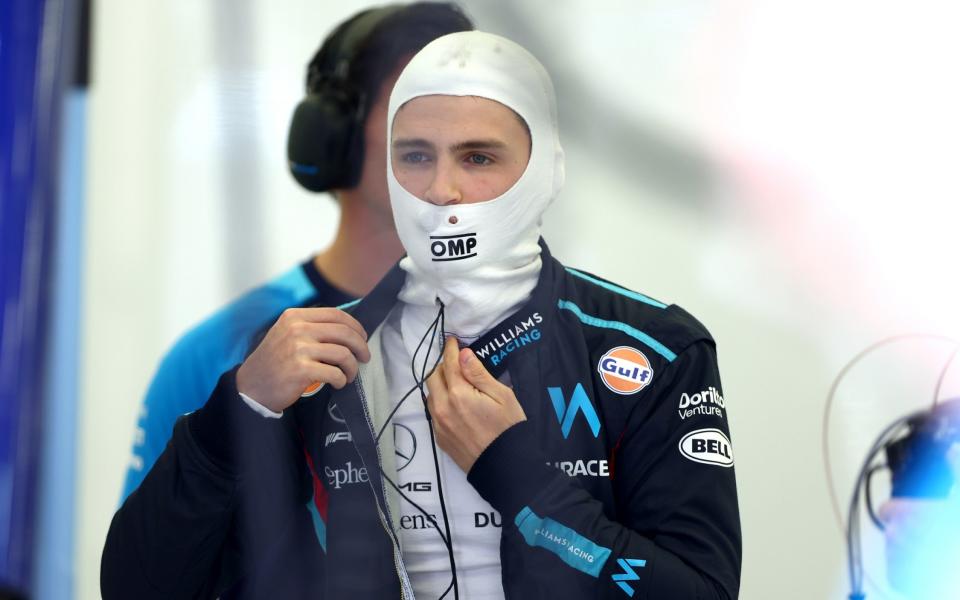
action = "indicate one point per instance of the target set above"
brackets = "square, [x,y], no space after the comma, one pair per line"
[505,340]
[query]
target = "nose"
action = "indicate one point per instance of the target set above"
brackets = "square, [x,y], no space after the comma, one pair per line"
[444,189]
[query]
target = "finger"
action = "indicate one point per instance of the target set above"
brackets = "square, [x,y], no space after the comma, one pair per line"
[326,315]
[436,391]
[323,373]
[336,333]
[451,366]
[477,375]
[335,355]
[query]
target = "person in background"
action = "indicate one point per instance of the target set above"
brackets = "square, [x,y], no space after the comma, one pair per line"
[337,144]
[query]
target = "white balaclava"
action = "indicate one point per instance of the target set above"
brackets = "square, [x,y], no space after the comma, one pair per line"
[486,264]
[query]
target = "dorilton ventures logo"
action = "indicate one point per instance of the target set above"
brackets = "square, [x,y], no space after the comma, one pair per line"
[453,247]
[706,402]
[567,412]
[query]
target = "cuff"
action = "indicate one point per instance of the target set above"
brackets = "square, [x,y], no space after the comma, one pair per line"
[260,409]
[511,472]
[223,425]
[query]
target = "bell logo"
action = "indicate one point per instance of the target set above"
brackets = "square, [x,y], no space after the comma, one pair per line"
[453,247]
[707,446]
[625,370]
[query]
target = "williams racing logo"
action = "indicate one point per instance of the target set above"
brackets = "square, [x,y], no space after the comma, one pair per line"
[512,337]
[453,247]
[625,370]
[707,446]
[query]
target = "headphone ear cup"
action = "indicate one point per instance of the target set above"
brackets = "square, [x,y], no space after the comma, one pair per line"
[322,147]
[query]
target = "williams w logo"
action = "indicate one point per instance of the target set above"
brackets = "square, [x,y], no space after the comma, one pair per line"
[567,413]
[628,573]
[453,247]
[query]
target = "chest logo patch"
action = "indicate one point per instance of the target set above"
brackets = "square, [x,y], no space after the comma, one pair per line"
[625,370]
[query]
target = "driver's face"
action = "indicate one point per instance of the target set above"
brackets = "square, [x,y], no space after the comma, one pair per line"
[458,149]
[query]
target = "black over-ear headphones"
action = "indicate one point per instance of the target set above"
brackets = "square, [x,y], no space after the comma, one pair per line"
[325,144]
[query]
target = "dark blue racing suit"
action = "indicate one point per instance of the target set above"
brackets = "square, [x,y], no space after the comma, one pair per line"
[620,483]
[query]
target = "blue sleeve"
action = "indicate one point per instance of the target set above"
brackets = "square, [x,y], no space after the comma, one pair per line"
[183,382]
[189,372]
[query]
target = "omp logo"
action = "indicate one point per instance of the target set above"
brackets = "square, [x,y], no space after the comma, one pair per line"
[567,412]
[453,247]
[625,370]
[628,574]
[708,446]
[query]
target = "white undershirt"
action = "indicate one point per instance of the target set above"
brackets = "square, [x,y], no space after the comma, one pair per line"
[476,549]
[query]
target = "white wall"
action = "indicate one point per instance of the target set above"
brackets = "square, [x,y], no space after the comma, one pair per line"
[828,222]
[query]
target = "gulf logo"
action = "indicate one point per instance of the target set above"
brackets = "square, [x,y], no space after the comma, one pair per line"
[625,370]
[312,389]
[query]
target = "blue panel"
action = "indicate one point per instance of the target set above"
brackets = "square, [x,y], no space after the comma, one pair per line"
[617,325]
[617,289]
[572,548]
[319,527]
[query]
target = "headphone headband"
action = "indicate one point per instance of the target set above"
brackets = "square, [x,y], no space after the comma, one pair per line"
[334,60]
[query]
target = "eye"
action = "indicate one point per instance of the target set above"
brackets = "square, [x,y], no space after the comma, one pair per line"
[479,160]
[414,158]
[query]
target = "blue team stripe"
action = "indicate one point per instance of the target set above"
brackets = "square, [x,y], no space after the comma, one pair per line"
[319,527]
[572,548]
[631,331]
[347,305]
[617,289]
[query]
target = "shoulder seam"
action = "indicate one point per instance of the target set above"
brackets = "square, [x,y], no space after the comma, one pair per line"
[616,289]
[633,332]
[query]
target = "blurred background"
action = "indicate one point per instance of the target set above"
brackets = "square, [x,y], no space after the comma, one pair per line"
[785,171]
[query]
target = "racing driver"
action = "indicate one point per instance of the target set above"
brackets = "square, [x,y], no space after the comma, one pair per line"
[486,423]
